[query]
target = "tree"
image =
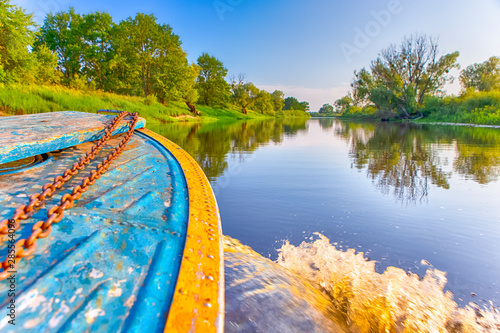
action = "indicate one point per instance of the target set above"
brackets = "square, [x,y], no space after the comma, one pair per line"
[326,108]
[304,106]
[96,31]
[178,83]
[211,85]
[190,98]
[343,104]
[402,76]
[482,77]
[291,103]
[46,66]
[362,85]
[278,98]
[245,95]
[61,34]
[264,102]
[145,51]
[16,62]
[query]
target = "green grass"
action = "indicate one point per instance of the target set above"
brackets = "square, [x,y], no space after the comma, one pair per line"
[29,99]
[209,113]
[470,108]
[292,113]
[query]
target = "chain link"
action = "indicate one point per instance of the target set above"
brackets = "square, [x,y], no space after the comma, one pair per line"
[41,229]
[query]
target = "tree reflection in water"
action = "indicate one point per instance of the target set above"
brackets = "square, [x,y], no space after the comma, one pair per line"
[406,158]
[211,143]
[403,159]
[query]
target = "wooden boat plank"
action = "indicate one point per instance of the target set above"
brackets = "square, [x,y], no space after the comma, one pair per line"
[29,135]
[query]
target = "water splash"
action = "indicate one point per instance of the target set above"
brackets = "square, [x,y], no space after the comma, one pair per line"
[362,300]
[262,296]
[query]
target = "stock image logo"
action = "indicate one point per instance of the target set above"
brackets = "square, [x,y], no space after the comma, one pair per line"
[223,6]
[372,29]
[11,279]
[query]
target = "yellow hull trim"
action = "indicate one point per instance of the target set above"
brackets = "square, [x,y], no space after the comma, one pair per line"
[198,302]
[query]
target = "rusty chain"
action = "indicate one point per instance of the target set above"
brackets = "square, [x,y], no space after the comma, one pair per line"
[41,229]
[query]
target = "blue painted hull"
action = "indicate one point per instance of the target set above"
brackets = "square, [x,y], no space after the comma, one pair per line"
[111,264]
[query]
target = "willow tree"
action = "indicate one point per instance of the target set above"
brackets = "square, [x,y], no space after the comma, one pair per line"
[403,75]
[245,95]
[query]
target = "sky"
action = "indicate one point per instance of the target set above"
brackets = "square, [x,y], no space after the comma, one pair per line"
[307,49]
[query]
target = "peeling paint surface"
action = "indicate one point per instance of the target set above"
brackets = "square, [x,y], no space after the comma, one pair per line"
[112,262]
[34,134]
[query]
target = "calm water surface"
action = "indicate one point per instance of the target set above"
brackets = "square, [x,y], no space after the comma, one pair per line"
[405,195]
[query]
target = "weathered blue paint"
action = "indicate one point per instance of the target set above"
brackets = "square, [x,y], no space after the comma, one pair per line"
[179,204]
[29,135]
[111,264]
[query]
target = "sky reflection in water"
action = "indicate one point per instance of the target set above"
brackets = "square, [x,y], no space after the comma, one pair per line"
[399,193]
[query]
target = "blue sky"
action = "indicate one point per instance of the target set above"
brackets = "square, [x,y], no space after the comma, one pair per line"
[308,49]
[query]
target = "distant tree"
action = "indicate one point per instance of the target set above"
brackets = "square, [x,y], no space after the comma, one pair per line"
[291,103]
[16,62]
[304,106]
[278,98]
[482,77]
[264,102]
[342,104]
[362,85]
[245,95]
[211,85]
[326,108]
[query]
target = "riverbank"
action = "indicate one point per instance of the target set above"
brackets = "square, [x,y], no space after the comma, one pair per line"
[28,99]
[471,107]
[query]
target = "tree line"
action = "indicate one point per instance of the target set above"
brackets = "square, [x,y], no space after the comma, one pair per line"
[137,56]
[407,81]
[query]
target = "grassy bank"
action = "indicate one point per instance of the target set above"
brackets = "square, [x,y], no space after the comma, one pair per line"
[470,108]
[292,113]
[28,99]
[481,108]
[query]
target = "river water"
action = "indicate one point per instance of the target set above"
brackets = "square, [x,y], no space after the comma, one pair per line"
[409,196]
